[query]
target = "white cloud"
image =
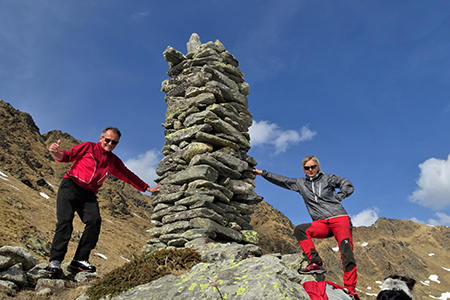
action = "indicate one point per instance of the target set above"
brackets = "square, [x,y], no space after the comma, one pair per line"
[365,218]
[433,189]
[144,166]
[417,220]
[264,133]
[443,219]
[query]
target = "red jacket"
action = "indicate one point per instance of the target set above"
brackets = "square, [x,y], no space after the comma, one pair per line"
[92,164]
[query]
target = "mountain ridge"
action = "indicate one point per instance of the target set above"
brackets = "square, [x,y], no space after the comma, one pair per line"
[29,181]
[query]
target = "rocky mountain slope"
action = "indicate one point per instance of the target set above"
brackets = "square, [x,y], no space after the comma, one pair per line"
[29,179]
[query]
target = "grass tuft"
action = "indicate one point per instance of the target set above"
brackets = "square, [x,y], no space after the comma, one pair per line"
[144,269]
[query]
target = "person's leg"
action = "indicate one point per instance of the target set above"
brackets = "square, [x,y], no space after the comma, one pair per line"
[304,234]
[90,216]
[65,211]
[342,230]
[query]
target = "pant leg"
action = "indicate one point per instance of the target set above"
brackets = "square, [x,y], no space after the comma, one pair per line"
[342,230]
[65,211]
[90,216]
[304,234]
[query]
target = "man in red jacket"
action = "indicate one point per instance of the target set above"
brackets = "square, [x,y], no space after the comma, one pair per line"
[93,162]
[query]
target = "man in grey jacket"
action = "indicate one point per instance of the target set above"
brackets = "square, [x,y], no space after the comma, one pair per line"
[329,216]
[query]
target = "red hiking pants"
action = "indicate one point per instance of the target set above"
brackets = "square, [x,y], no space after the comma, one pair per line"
[341,228]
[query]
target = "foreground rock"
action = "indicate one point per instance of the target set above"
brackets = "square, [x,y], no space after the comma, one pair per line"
[18,271]
[229,273]
[254,278]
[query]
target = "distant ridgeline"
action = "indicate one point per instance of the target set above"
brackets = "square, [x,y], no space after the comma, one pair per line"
[207,182]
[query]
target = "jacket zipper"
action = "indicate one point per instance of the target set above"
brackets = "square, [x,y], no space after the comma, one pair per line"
[314,192]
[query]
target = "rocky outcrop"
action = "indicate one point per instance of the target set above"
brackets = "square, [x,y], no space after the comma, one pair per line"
[207,188]
[19,271]
[229,272]
[18,138]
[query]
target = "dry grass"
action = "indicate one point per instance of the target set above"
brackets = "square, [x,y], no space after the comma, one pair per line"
[144,269]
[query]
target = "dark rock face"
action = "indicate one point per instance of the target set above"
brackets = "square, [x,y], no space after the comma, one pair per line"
[206,175]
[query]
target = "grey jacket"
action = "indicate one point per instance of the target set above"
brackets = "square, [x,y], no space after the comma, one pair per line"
[319,192]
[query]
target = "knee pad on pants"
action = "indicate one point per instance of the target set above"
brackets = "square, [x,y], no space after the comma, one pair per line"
[348,259]
[300,231]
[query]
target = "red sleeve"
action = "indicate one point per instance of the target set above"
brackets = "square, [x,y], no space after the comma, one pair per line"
[75,153]
[123,173]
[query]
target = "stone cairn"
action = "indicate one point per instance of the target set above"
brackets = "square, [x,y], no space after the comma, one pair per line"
[207,182]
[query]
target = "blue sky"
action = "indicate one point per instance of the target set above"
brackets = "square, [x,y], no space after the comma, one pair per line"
[364,85]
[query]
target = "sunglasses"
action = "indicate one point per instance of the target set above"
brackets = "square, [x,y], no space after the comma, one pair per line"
[309,167]
[113,142]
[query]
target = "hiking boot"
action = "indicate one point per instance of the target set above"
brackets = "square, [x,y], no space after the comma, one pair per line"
[312,268]
[82,266]
[54,269]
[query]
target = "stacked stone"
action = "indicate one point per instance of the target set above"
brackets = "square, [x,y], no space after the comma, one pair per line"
[207,182]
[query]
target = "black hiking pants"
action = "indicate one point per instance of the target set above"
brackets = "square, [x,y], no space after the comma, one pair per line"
[73,198]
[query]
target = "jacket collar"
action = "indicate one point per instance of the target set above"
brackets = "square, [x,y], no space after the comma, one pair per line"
[318,175]
[99,148]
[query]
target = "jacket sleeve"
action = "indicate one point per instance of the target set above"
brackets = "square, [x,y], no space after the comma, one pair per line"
[281,181]
[126,175]
[74,153]
[344,185]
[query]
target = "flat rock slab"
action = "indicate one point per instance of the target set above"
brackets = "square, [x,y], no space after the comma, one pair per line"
[265,277]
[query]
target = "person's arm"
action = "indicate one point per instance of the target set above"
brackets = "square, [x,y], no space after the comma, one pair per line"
[126,175]
[54,149]
[71,155]
[281,181]
[344,185]
[153,189]
[257,172]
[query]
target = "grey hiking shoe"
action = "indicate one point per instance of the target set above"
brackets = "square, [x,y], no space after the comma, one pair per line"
[54,269]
